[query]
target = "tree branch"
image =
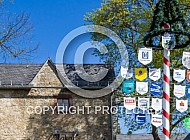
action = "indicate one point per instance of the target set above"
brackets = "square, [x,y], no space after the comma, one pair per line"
[179,120]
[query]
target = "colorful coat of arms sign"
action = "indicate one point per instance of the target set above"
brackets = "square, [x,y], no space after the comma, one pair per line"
[186,59]
[168,42]
[141,73]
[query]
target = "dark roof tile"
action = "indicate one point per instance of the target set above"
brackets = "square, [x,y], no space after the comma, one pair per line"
[18,74]
[91,69]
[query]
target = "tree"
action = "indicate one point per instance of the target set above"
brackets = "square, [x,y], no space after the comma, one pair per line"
[15,35]
[131,20]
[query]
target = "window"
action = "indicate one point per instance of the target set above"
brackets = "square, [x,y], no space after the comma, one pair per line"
[63,103]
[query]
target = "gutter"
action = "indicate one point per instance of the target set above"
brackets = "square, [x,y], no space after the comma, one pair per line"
[58,87]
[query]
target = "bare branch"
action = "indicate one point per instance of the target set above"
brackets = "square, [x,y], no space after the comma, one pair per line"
[179,120]
[15,35]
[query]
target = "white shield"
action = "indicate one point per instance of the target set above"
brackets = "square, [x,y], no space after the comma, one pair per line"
[142,87]
[156,104]
[186,59]
[154,74]
[168,42]
[143,103]
[123,71]
[179,75]
[129,103]
[156,120]
[179,91]
[181,105]
[126,73]
[145,55]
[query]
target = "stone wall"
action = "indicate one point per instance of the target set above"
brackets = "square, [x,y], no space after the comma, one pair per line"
[19,121]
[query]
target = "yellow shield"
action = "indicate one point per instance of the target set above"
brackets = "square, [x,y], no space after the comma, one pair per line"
[141,73]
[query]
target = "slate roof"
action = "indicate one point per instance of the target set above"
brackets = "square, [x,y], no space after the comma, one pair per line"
[91,69]
[18,74]
[23,74]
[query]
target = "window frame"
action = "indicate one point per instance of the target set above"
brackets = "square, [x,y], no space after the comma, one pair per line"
[63,97]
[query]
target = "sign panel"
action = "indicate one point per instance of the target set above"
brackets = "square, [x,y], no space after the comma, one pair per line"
[140,119]
[126,73]
[129,103]
[181,105]
[156,120]
[141,73]
[168,42]
[142,87]
[143,103]
[145,55]
[179,75]
[179,91]
[155,88]
[156,104]
[186,59]
[154,74]
[128,86]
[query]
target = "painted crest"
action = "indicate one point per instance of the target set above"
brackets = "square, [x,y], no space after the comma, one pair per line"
[128,86]
[143,103]
[156,120]
[156,104]
[140,119]
[179,91]
[155,88]
[181,105]
[168,42]
[179,75]
[188,75]
[141,73]
[145,55]
[126,73]
[142,87]
[129,103]
[154,74]
[186,59]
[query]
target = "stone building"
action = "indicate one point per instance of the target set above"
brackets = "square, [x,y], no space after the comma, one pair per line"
[31,97]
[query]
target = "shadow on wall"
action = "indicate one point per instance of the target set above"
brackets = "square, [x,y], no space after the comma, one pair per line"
[56,126]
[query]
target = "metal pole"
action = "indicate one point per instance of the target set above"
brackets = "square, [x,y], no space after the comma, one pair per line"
[166,95]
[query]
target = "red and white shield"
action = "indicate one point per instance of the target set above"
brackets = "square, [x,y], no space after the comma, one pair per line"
[188,75]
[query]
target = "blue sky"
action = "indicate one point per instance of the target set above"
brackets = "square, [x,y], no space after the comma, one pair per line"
[52,20]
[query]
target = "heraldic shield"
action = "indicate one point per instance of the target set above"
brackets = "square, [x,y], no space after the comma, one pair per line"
[181,105]
[128,86]
[140,119]
[156,120]
[179,75]
[145,55]
[186,59]
[168,42]
[154,74]
[141,73]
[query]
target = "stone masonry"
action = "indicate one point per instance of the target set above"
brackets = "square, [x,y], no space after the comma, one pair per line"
[19,122]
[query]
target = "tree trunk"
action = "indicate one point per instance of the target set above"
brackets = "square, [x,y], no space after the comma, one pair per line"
[155,133]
